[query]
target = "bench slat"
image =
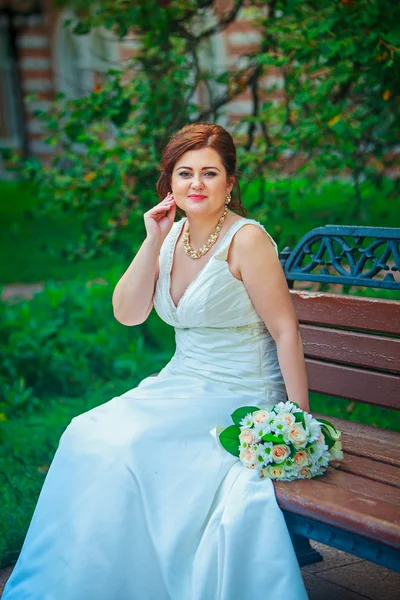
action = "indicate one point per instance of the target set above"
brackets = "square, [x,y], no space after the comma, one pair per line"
[350,347]
[387,454]
[352,383]
[347,501]
[364,432]
[353,312]
[370,469]
[381,445]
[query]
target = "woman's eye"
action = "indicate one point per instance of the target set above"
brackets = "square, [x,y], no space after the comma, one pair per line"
[188,174]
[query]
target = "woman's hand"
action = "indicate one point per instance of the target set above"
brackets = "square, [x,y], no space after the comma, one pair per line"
[159,219]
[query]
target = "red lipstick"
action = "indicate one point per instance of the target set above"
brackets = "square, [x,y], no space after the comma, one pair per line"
[197,196]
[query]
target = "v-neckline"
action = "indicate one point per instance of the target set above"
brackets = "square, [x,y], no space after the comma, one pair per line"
[171,262]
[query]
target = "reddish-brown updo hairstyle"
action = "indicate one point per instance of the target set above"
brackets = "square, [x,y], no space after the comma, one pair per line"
[194,137]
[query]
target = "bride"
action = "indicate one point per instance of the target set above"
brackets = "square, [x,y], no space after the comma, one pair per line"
[141,502]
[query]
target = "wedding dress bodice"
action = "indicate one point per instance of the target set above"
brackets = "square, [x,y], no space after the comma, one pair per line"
[218,332]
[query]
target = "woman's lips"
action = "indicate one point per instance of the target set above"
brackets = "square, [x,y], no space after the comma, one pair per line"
[197,196]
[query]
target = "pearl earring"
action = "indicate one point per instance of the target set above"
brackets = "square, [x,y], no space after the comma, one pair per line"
[228,199]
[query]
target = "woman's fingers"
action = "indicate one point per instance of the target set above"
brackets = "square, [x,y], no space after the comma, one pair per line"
[162,207]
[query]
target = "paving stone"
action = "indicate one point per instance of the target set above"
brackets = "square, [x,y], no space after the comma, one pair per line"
[366,578]
[21,290]
[321,589]
[332,558]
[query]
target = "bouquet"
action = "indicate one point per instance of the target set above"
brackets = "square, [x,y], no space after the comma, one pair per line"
[283,442]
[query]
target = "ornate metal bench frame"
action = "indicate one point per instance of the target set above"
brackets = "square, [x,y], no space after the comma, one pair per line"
[326,265]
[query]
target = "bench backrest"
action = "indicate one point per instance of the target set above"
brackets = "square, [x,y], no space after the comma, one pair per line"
[352,346]
[351,343]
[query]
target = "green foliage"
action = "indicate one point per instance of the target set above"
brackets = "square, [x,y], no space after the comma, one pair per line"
[242,412]
[66,342]
[338,112]
[229,439]
[108,144]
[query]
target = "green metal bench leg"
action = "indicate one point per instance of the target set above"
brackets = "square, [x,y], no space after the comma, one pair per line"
[305,553]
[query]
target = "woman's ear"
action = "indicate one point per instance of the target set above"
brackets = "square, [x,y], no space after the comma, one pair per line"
[231,183]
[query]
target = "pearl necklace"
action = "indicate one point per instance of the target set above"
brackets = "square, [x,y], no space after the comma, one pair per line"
[210,242]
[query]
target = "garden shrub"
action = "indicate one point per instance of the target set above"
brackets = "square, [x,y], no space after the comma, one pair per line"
[66,342]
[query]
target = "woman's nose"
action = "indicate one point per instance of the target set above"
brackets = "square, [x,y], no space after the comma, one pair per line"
[197,182]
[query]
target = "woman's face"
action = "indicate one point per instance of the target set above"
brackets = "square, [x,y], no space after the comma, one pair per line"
[199,182]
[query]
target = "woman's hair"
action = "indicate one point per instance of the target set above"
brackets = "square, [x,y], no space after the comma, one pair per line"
[194,137]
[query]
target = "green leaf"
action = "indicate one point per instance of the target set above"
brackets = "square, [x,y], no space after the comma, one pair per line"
[270,437]
[327,423]
[121,117]
[329,441]
[299,416]
[81,28]
[229,439]
[241,412]
[393,37]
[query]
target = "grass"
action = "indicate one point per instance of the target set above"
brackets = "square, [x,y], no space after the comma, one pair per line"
[23,239]
[355,411]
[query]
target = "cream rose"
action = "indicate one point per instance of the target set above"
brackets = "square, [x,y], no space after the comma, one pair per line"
[301,458]
[260,416]
[248,458]
[280,452]
[275,471]
[305,472]
[286,418]
[246,437]
[297,435]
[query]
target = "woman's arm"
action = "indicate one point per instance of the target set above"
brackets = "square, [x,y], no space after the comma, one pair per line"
[133,295]
[266,285]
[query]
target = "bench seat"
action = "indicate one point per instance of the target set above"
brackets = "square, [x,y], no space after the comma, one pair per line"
[360,495]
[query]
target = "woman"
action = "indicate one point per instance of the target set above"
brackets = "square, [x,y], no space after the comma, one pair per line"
[140,502]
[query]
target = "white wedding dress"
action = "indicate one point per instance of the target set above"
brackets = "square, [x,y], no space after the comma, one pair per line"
[141,502]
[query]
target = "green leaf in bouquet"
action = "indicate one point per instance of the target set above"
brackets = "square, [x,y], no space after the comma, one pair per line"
[327,423]
[329,441]
[270,437]
[299,417]
[293,450]
[241,412]
[229,439]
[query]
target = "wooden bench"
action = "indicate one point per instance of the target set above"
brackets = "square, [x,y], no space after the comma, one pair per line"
[352,348]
